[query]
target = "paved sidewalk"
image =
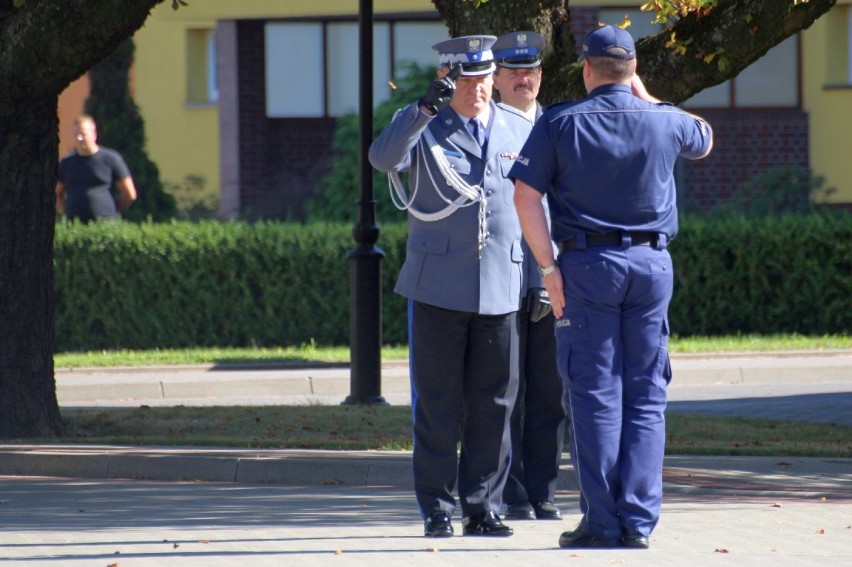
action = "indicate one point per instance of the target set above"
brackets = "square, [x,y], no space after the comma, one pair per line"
[716,511]
[72,506]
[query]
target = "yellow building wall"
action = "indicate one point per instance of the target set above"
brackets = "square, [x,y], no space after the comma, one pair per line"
[827,98]
[183,138]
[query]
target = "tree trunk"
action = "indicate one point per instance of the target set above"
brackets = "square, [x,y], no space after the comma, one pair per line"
[28,156]
[44,45]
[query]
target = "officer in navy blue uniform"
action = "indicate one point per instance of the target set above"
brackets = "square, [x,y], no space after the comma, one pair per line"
[606,165]
[538,421]
[462,275]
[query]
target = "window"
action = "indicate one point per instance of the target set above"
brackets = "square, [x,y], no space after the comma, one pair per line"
[413,41]
[771,81]
[312,67]
[294,70]
[343,66]
[201,79]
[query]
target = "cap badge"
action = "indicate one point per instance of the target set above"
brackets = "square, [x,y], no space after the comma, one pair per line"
[474,44]
[521,40]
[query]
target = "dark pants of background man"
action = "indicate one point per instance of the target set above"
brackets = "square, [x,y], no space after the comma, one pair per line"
[538,420]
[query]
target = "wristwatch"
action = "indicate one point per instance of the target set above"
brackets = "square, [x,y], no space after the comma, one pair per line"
[548,270]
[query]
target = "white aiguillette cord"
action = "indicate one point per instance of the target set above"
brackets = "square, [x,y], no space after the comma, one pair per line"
[468,194]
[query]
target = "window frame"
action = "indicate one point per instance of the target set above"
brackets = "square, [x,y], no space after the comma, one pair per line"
[384,25]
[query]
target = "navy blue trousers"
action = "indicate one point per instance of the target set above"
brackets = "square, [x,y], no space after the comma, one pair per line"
[464,377]
[612,355]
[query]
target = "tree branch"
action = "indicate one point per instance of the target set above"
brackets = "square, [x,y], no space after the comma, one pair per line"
[735,34]
[47,44]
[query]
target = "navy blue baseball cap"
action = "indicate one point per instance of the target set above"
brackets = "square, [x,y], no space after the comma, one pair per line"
[472,52]
[609,41]
[520,49]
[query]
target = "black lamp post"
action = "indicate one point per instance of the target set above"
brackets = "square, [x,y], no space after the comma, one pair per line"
[365,269]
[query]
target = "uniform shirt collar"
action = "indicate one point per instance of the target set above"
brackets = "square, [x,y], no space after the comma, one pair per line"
[483,116]
[611,88]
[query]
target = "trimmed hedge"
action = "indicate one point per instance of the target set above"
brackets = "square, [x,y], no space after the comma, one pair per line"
[180,284]
[780,274]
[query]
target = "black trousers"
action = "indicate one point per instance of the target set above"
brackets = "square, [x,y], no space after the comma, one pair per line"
[538,420]
[464,375]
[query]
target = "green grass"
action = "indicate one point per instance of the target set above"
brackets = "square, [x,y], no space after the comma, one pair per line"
[759,343]
[305,354]
[312,353]
[712,435]
[389,428]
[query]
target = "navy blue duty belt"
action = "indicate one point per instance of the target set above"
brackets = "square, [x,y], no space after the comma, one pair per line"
[619,238]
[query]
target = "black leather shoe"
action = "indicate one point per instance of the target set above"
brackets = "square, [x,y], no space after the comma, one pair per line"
[635,540]
[520,511]
[580,537]
[438,525]
[486,524]
[546,511]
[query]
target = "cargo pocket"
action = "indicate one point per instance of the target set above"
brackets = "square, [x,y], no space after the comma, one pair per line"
[570,331]
[506,164]
[663,376]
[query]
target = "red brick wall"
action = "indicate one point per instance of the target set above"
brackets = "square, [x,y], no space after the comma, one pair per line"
[281,160]
[747,142]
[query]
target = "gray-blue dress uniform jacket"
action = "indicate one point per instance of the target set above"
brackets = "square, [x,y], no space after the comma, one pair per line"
[532,278]
[443,265]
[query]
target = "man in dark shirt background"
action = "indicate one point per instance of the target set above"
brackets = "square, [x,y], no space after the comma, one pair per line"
[94,182]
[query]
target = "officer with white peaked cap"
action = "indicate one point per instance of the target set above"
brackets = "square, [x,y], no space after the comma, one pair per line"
[463,277]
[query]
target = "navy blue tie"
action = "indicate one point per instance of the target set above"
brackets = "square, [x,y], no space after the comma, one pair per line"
[476,129]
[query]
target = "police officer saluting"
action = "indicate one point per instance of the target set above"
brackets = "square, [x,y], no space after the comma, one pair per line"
[462,276]
[538,420]
[606,165]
